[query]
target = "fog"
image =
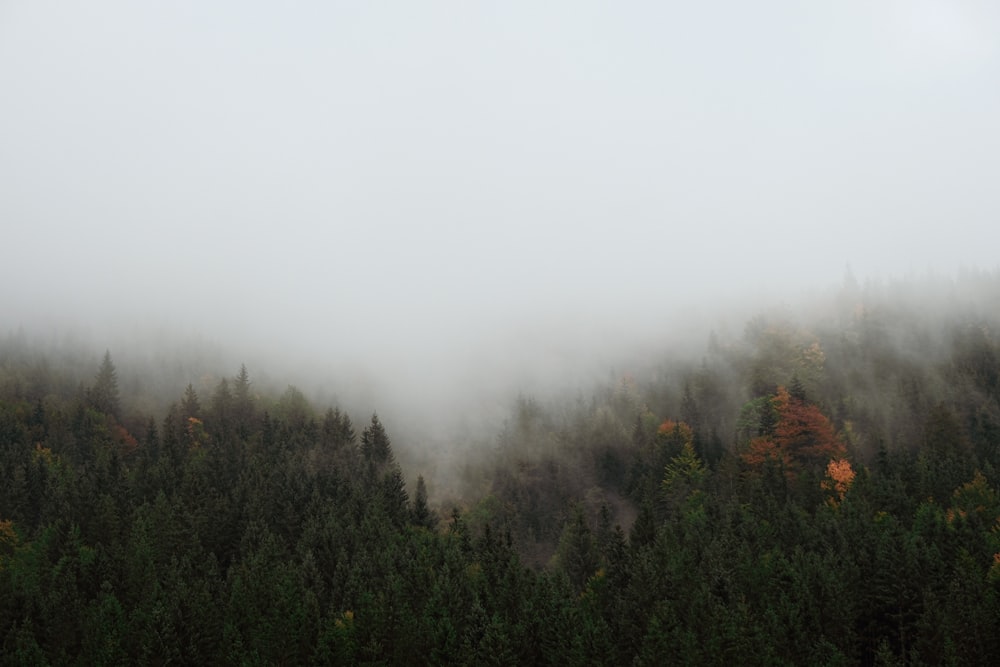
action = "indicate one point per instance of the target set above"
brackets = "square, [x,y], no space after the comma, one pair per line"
[399,204]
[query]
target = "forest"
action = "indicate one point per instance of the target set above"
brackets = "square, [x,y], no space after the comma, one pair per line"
[821,488]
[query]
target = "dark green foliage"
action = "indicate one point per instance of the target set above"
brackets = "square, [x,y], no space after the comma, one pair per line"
[190,405]
[375,447]
[251,530]
[423,515]
[103,395]
[577,556]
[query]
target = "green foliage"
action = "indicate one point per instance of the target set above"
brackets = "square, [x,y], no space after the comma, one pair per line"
[103,395]
[225,534]
[423,515]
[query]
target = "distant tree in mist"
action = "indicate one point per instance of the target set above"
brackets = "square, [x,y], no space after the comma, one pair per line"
[243,403]
[383,472]
[222,406]
[422,513]
[337,430]
[190,405]
[375,446]
[103,395]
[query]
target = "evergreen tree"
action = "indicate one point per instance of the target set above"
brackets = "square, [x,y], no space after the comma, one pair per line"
[190,405]
[222,408]
[376,449]
[577,554]
[422,513]
[243,404]
[104,394]
[397,500]
[337,430]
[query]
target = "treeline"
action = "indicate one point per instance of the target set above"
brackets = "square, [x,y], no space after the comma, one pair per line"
[821,493]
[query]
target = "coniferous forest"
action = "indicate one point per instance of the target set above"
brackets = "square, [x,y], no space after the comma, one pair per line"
[821,488]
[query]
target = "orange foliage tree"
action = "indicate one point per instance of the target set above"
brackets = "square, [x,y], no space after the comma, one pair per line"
[840,476]
[675,430]
[802,438]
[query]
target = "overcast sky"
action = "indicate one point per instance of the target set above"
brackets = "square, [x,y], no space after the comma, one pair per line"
[395,177]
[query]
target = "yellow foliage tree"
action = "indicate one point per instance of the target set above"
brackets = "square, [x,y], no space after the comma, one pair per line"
[839,477]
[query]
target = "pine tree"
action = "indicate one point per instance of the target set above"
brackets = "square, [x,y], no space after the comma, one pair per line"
[190,405]
[222,408]
[243,406]
[375,447]
[337,429]
[104,394]
[397,500]
[422,513]
[577,554]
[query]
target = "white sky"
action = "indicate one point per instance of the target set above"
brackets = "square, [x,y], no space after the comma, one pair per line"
[398,178]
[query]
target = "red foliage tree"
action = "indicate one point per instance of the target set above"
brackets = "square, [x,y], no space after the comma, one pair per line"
[805,431]
[803,437]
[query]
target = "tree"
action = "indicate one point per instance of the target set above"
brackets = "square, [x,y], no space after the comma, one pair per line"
[337,430]
[397,500]
[839,477]
[190,405]
[422,513]
[577,554]
[222,408]
[375,446]
[104,394]
[243,404]
[242,385]
[683,478]
[802,439]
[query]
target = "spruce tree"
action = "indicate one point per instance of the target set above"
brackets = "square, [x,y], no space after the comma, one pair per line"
[422,513]
[243,406]
[104,394]
[190,405]
[375,446]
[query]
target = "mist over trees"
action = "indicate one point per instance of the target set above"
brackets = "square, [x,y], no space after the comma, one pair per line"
[494,333]
[819,488]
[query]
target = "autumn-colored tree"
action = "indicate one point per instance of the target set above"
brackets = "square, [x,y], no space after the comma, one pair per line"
[805,431]
[802,438]
[839,477]
[763,450]
[125,440]
[676,432]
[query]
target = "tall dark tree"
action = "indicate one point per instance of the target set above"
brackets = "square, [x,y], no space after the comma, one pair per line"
[422,513]
[104,395]
[578,555]
[222,407]
[337,430]
[242,385]
[243,404]
[190,405]
[375,446]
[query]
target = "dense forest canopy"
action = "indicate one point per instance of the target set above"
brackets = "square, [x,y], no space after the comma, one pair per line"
[493,333]
[821,488]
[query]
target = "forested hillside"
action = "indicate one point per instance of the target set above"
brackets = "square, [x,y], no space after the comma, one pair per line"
[822,488]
